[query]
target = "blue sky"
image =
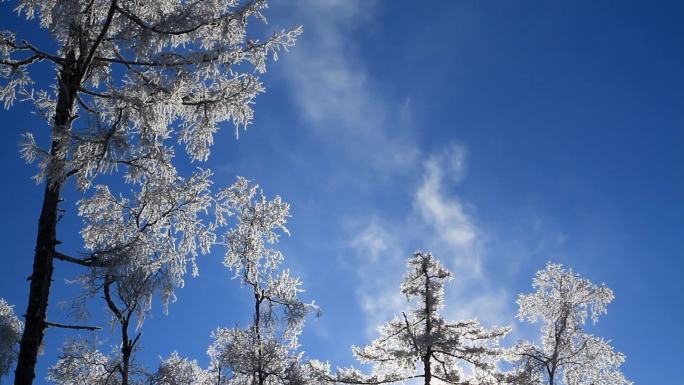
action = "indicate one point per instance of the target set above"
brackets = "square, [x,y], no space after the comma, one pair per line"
[498,135]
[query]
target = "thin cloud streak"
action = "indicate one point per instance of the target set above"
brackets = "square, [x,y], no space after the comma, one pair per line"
[338,102]
[335,95]
[444,215]
[440,224]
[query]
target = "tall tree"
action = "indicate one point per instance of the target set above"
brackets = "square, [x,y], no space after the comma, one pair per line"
[132,78]
[421,343]
[141,245]
[568,355]
[265,352]
[134,264]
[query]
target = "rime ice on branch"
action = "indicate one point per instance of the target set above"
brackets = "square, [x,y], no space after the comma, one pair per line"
[421,343]
[568,355]
[135,82]
[264,353]
[81,363]
[10,333]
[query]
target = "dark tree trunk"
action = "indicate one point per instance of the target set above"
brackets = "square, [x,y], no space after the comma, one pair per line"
[426,367]
[126,350]
[40,289]
[258,299]
[46,240]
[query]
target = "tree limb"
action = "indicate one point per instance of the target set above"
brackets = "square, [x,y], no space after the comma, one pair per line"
[75,327]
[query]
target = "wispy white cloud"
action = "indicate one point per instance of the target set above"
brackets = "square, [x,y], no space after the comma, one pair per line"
[444,214]
[373,241]
[379,256]
[341,103]
[337,98]
[438,222]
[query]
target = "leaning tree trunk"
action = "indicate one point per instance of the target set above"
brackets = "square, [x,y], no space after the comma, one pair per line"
[46,240]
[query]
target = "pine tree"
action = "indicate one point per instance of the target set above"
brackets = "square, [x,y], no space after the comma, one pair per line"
[421,343]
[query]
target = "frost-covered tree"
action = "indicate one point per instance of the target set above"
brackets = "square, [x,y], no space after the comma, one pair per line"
[127,297]
[265,352]
[568,355]
[139,247]
[131,258]
[421,343]
[135,81]
[10,333]
[81,363]
[177,370]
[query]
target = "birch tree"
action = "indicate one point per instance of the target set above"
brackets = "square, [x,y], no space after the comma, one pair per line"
[420,343]
[177,370]
[568,355]
[134,254]
[135,261]
[131,257]
[265,352]
[81,363]
[135,81]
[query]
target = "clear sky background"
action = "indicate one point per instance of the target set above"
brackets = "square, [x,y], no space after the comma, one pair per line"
[496,134]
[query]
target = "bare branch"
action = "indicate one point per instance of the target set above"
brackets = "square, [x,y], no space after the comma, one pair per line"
[74,327]
[83,262]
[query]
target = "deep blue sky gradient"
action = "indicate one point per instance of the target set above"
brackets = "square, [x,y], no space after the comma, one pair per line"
[569,117]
